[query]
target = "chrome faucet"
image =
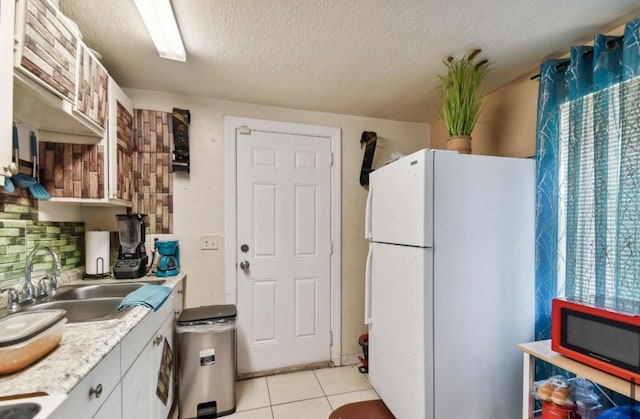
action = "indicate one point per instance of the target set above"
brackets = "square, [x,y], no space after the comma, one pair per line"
[13,299]
[29,291]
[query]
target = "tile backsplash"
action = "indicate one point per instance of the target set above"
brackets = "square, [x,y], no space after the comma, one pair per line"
[21,232]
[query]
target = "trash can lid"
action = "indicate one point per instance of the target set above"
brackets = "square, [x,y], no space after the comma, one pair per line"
[207,314]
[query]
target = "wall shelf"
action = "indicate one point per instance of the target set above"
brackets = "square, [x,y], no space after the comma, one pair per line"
[51,115]
[542,350]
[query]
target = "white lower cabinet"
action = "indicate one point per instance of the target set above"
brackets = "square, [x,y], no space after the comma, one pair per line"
[112,407]
[139,384]
[89,395]
[123,385]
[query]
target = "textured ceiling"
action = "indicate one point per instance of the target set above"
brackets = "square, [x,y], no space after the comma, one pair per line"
[376,58]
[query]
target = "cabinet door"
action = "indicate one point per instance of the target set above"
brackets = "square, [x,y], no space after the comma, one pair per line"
[7,9]
[167,331]
[139,384]
[92,87]
[112,407]
[92,391]
[178,290]
[120,144]
[46,47]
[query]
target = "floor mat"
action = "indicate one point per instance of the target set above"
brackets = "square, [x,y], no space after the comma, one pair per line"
[370,409]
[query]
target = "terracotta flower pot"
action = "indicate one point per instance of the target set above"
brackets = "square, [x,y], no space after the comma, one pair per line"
[461,144]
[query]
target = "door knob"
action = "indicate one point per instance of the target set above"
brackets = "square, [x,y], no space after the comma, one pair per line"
[244,265]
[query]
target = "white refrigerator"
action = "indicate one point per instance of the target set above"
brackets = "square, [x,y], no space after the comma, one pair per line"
[450,283]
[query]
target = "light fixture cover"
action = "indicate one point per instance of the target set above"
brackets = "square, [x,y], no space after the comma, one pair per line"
[162,26]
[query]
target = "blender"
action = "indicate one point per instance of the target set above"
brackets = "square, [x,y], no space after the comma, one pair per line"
[132,256]
[169,261]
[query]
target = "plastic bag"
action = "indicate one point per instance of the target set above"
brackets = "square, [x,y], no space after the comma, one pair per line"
[586,398]
[621,412]
[555,389]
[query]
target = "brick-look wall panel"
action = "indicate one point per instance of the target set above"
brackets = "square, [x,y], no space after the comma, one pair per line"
[93,87]
[125,153]
[49,51]
[153,173]
[72,170]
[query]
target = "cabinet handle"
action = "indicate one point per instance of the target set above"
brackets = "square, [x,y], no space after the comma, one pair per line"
[97,391]
[180,292]
[158,339]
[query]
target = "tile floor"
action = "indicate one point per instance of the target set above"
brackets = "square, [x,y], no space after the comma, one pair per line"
[300,395]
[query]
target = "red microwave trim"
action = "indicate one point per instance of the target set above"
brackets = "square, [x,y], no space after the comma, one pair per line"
[559,304]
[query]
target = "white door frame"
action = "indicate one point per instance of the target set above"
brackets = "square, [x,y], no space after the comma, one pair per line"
[231,124]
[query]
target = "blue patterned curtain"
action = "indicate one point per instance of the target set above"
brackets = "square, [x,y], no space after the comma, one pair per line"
[588,174]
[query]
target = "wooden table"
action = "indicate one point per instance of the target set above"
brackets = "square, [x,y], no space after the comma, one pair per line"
[542,350]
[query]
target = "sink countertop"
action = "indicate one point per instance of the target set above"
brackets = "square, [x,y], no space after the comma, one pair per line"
[83,346]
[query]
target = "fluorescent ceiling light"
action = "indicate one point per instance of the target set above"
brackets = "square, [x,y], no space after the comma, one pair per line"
[161,23]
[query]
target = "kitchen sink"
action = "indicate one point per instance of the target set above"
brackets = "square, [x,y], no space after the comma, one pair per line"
[83,292]
[91,310]
[19,406]
[19,410]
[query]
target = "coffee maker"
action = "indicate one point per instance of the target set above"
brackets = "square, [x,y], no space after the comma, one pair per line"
[132,257]
[169,261]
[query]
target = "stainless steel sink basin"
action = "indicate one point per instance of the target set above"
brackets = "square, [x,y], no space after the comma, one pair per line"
[14,406]
[19,410]
[91,310]
[83,292]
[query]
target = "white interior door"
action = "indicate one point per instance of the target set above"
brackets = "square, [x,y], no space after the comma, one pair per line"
[283,250]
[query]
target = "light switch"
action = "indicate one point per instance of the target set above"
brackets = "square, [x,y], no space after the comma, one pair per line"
[209,242]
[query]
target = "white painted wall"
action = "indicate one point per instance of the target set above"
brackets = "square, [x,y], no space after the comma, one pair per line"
[199,196]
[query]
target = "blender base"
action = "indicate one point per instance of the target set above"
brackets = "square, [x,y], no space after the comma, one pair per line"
[130,268]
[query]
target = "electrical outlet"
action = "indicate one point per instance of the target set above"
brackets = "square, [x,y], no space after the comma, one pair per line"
[209,242]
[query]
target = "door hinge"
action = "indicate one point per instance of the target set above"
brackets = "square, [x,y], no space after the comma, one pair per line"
[244,130]
[330,338]
[330,159]
[330,248]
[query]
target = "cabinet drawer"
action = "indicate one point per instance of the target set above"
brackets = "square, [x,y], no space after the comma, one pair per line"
[82,402]
[48,47]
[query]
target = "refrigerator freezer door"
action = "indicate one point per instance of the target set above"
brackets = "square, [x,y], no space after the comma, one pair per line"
[401,201]
[401,329]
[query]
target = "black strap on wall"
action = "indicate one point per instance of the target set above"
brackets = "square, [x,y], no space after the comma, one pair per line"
[368,141]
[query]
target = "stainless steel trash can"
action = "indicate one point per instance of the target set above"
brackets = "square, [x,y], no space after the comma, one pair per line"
[207,361]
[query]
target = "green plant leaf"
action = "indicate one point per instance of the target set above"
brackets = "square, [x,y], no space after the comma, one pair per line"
[462,96]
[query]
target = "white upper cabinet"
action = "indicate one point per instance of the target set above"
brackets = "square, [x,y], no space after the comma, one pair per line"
[121,145]
[59,87]
[92,88]
[6,85]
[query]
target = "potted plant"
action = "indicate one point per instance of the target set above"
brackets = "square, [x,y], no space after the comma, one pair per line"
[462,98]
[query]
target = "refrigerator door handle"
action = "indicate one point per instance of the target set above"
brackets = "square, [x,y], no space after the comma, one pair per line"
[367,214]
[367,287]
